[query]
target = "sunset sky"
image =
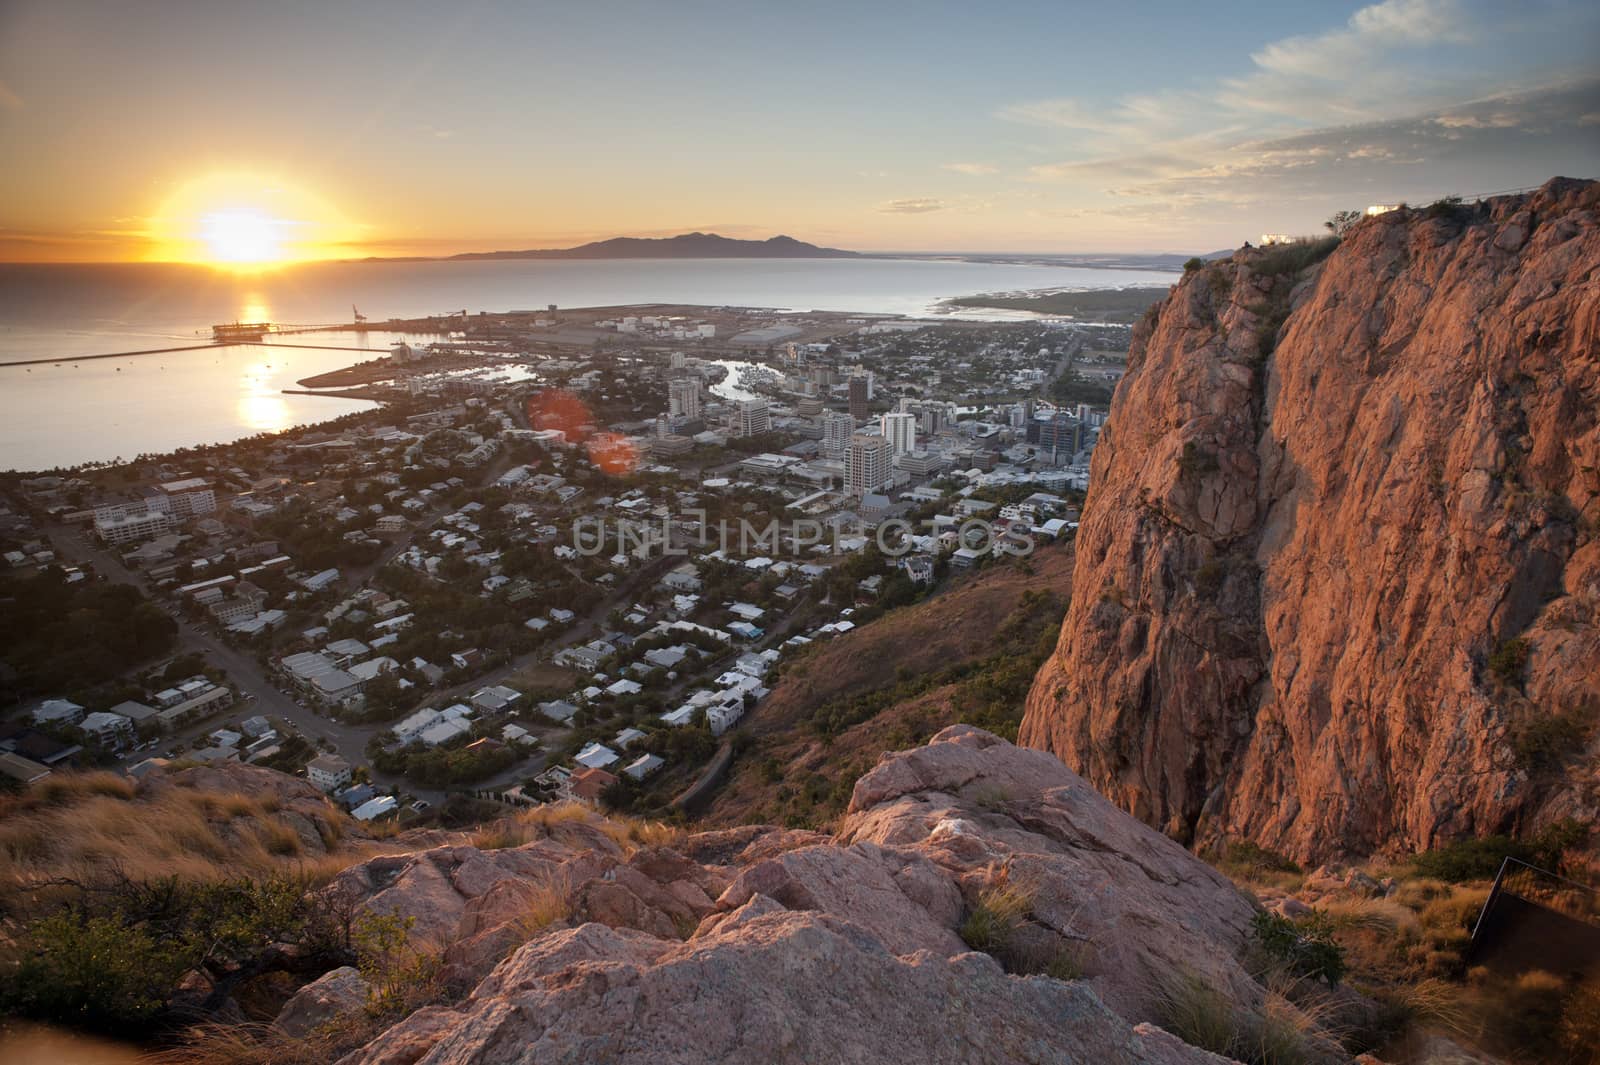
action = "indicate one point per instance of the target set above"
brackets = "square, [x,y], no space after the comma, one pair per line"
[173,129]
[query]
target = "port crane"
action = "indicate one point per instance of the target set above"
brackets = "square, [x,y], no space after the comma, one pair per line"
[235,332]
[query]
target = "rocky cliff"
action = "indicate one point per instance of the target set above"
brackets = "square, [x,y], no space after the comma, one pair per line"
[1337,579]
[761,945]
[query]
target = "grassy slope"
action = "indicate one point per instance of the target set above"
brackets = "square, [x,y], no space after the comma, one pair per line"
[202,823]
[798,772]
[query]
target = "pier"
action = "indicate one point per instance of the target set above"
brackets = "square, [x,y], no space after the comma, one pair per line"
[190,347]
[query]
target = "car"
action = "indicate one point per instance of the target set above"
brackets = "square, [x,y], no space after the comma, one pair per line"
[420,805]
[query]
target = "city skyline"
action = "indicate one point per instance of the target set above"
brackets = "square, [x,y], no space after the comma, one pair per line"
[389,131]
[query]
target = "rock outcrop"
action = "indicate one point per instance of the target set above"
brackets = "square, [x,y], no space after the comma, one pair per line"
[1336,505]
[760,945]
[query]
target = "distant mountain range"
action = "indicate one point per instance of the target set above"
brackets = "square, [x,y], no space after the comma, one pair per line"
[684,246]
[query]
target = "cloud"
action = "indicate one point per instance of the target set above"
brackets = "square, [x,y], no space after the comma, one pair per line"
[9,100]
[1062,113]
[971,169]
[1501,120]
[914,206]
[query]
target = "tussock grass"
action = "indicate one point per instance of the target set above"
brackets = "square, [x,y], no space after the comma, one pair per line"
[1284,1033]
[262,1044]
[1001,907]
[1373,915]
[628,833]
[71,824]
[550,902]
[1199,1014]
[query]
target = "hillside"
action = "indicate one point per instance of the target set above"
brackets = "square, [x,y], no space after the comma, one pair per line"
[965,655]
[1338,578]
[683,246]
[200,824]
[979,903]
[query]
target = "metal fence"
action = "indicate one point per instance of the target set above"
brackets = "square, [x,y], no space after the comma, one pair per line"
[1535,919]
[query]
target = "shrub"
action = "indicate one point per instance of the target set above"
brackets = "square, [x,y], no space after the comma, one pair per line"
[1543,739]
[1209,577]
[1306,947]
[1510,661]
[1290,259]
[1245,856]
[1197,461]
[1480,859]
[92,972]
[1341,222]
[400,976]
[1468,859]
[112,958]
[1191,265]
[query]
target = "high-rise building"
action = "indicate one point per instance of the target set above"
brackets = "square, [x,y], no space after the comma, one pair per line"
[869,462]
[808,407]
[901,432]
[836,430]
[683,397]
[858,397]
[678,360]
[1061,433]
[752,418]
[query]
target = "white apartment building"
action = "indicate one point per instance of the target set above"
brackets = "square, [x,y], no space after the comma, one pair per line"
[901,432]
[868,464]
[188,498]
[836,430]
[128,522]
[328,772]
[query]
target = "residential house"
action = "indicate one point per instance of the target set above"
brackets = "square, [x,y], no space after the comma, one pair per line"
[328,772]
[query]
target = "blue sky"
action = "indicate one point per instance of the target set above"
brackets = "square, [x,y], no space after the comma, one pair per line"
[1027,127]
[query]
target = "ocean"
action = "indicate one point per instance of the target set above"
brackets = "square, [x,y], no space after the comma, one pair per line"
[76,412]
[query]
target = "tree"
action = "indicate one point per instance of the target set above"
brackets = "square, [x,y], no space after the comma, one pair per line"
[1341,222]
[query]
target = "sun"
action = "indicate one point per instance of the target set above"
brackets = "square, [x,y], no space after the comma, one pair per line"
[246,222]
[243,235]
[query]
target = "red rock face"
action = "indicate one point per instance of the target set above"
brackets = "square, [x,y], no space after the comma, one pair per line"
[1304,545]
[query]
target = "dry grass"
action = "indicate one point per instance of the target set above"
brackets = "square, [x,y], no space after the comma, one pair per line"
[1376,915]
[70,825]
[1001,907]
[262,1044]
[1286,1032]
[550,902]
[539,822]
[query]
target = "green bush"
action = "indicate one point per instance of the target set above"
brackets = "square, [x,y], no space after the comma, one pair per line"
[1243,857]
[1306,947]
[1544,739]
[1510,660]
[1468,859]
[1480,859]
[92,972]
[112,959]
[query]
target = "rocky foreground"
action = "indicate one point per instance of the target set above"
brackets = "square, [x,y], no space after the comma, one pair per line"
[1337,583]
[759,944]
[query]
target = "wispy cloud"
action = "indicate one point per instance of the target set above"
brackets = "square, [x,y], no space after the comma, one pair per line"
[9,100]
[1397,98]
[914,206]
[971,169]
